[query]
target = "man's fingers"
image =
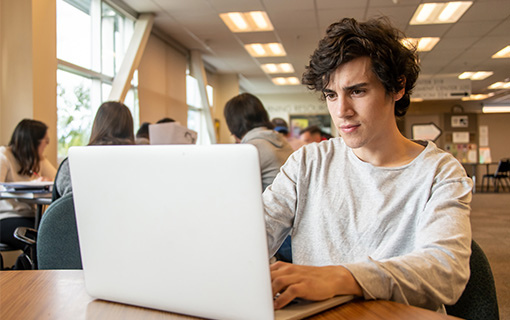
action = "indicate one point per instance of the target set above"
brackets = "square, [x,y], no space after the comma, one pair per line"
[289,294]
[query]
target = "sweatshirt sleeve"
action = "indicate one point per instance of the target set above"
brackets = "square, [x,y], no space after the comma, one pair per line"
[437,271]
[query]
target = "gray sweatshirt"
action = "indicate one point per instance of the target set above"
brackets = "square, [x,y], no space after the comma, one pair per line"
[403,232]
[273,151]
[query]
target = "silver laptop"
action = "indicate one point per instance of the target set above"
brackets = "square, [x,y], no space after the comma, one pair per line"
[177,228]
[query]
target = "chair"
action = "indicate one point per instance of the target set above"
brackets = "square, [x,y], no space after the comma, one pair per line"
[57,243]
[4,248]
[478,301]
[500,177]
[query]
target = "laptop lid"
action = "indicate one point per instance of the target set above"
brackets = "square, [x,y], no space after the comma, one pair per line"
[178,228]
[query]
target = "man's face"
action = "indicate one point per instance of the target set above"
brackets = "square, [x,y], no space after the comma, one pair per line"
[308,137]
[361,109]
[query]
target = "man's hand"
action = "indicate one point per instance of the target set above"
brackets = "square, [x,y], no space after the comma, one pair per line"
[312,283]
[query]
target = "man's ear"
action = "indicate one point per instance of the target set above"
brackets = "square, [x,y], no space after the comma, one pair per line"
[399,94]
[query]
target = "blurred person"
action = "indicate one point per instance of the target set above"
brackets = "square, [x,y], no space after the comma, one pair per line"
[142,135]
[113,125]
[248,121]
[23,160]
[165,120]
[311,134]
[280,125]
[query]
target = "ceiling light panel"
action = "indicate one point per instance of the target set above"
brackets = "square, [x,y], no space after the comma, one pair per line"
[254,21]
[503,53]
[282,81]
[476,75]
[421,44]
[259,50]
[437,13]
[499,85]
[277,68]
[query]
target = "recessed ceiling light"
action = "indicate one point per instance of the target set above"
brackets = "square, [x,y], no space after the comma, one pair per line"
[281,81]
[499,85]
[496,108]
[421,44]
[434,13]
[277,68]
[265,49]
[477,96]
[476,75]
[503,53]
[253,21]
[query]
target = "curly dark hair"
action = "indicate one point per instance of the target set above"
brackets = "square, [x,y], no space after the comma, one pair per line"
[395,65]
[245,112]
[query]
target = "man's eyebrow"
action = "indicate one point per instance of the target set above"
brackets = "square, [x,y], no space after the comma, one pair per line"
[355,86]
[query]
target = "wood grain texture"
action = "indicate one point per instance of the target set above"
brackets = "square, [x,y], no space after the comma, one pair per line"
[60,294]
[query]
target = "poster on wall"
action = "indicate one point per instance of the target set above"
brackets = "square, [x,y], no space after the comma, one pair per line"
[460,121]
[484,136]
[299,122]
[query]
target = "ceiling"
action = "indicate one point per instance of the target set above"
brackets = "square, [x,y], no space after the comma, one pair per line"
[299,24]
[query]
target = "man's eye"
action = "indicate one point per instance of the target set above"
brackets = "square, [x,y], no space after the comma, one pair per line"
[329,95]
[357,92]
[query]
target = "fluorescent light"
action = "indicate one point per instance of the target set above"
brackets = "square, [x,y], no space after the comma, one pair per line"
[499,85]
[260,18]
[281,81]
[433,13]
[477,97]
[252,21]
[503,53]
[277,68]
[475,75]
[425,12]
[265,49]
[276,48]
[503,108]
[238,20]
[421,44]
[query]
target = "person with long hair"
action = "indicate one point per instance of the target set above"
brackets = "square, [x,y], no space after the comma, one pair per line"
[22,160]
[113,125]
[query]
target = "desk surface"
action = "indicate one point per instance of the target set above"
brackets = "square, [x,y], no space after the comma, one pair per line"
[60,294]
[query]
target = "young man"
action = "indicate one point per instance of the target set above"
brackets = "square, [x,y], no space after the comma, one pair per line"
[310,134]
[371,213]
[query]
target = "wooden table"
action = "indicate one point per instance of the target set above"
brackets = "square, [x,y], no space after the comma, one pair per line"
[60,294]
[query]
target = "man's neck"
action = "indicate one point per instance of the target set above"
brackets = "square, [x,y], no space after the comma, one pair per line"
[391,152]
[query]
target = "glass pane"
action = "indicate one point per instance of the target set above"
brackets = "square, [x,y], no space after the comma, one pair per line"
[74,32]
[74,112]
[116,33]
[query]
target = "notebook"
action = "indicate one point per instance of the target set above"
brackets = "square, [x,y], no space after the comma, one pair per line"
[178,228]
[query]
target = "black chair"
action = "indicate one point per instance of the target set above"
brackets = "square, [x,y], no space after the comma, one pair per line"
[57,243]
[478,301]
[499,178]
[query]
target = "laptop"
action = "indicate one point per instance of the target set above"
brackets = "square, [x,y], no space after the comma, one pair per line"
[178,228]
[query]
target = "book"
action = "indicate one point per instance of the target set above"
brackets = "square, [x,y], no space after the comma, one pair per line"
[25,194]
[27,186]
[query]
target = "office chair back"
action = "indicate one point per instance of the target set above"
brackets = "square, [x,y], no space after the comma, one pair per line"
[478,301]
[57,237]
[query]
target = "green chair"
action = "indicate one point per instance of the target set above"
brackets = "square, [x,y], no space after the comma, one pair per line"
[478,301]
[57,245]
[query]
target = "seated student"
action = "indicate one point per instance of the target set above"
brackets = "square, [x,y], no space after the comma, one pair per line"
[249,122]
[23,160]
[113,125]
[142,135]
[281,126]
[311,134]
[372,213]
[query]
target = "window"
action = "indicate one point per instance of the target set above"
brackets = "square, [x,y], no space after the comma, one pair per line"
[196,117]
[92,38]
